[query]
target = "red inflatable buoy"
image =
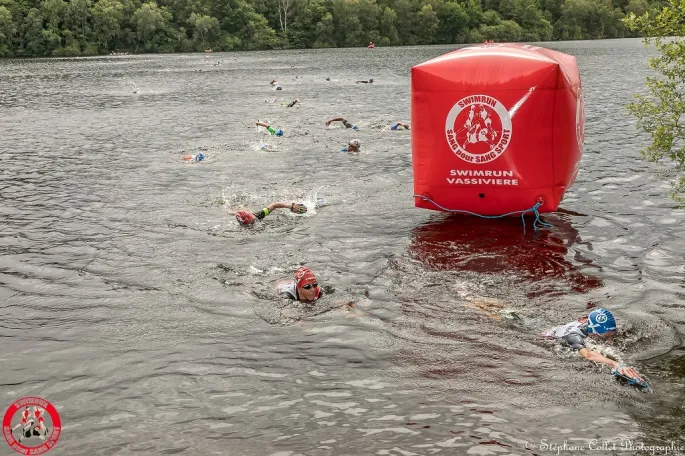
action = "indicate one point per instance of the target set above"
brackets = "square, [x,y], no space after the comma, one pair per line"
[496,129]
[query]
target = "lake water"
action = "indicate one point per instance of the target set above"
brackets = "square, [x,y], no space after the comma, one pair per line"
[131,299]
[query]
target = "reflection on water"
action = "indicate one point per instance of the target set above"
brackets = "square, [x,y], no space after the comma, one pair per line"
[540,258]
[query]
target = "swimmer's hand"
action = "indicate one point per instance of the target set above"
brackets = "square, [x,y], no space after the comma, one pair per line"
[627,371]
[297,208]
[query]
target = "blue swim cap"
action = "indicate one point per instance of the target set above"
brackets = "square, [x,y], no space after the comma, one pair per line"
[355,128]
[279,132]
[200,157]
[600,321]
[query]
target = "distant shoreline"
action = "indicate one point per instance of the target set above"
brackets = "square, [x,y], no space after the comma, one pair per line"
[242,51]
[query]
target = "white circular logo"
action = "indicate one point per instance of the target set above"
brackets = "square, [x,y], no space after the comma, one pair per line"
[478,129]
[601,318]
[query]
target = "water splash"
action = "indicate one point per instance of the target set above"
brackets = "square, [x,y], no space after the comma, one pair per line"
[313,201]
[261,145]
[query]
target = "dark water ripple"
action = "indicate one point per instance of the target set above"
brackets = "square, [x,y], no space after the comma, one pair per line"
[131,299]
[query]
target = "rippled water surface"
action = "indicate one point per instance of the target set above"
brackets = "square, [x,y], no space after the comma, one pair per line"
[131,299]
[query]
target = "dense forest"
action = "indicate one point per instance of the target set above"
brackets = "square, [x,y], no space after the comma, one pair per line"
[88,27]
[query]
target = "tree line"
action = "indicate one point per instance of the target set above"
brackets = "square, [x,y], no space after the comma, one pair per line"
[90,27]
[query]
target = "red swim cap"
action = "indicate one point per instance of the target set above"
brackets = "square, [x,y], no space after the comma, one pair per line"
[244,217]
[303,276]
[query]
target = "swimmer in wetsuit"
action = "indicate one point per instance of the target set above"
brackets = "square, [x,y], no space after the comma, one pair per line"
[340,119]
[370,81]
[353,146]
[304,287]
[397,125]
[600,323]
[195,158]
[248,218]
[293,103]
[269,128]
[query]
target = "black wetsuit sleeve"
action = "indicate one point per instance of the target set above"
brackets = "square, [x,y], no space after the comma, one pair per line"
[575,341]
[261,214]
[347,124]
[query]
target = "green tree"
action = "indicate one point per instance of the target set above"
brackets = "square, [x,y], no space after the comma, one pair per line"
[551,9]
[404,23]
[324,32]
[53,13]
[204,27]
[427,25]
[151,23]
[246,29]
[661,112]
[303,30]
[78,19]
[595,18]
[388,31]
[505,31]
[107,17]
[531,18]
[7,29]
[454,22]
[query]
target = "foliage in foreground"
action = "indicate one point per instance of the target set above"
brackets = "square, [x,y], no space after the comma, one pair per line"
[87,27]
[661,112]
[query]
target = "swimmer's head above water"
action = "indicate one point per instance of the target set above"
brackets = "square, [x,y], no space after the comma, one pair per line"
[601,322]
[354,145]
[245,217]
[308,289]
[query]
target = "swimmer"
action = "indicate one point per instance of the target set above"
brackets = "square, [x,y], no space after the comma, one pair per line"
[304,287]
[601,324]
[353,146]
[370,81]
[293,103]
[269,128]
[248,218]
[195,158]
[273,82]
[343,120]
[397,125]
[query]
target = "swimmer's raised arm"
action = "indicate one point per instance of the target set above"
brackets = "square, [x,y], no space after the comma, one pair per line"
[614,365]
[296,208]
[248,218]
[269,128]
[335,119]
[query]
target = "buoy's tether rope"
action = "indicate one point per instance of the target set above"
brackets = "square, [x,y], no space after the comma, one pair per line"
[537,223]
